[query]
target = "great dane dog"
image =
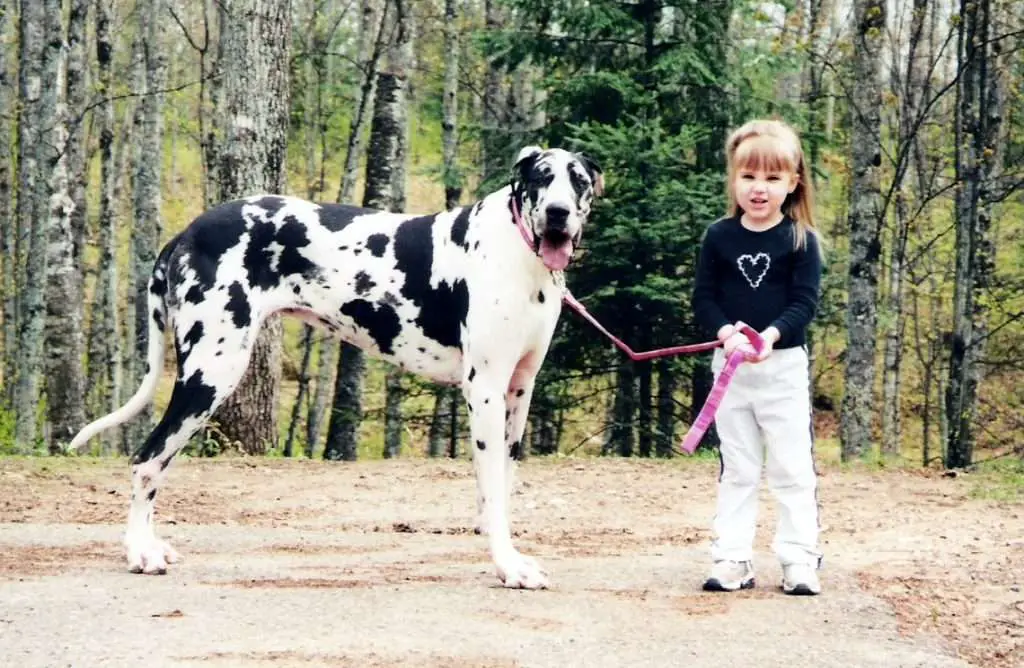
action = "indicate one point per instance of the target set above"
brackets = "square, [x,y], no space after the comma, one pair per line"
[458,297]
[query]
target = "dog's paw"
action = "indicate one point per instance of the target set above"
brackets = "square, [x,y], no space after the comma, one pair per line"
[151,557]
[480,528]
[517,571]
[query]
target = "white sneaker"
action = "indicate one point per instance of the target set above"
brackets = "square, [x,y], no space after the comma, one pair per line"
[730,575]
[800,580]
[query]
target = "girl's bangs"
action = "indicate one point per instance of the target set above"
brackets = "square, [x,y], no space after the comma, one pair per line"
[764,152]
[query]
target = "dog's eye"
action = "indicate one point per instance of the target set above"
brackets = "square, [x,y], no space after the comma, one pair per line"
[541,178]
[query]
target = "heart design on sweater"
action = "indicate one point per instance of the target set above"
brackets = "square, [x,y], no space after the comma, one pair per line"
[754,267]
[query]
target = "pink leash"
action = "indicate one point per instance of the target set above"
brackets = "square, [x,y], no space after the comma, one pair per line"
[707,412]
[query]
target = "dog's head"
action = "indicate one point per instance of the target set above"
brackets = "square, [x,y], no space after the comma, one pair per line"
[557,188]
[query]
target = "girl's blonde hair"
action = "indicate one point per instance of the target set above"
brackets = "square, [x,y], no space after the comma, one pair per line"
[773,145]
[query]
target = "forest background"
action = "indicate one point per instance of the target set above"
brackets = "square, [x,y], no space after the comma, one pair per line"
[123,119]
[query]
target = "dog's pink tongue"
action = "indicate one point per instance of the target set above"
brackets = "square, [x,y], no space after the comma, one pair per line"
[556,257]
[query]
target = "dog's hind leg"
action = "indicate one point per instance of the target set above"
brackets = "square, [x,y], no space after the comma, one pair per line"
[209,369]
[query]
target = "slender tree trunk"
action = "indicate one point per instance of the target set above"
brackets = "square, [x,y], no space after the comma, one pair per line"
[644,422]
[256,42]
[384,187]
[400,63]
[104,369]
[493,140]
[77,93]
[914,88]
[865,217]
[63,336]
[665,436]
[450,107]
[33,158]
[373,39]
[8,260]
[621,438]
[300,397]
[346,411]
[443,420]
[325,371]
[147,200]
[980,112]
[446,398]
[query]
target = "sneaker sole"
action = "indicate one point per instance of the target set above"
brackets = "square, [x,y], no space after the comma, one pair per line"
[800,590]
[714,585]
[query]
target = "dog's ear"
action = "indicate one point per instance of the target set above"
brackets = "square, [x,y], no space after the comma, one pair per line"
[594,170]
[524,161]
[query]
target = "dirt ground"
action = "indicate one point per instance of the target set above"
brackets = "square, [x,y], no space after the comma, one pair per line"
[374,564]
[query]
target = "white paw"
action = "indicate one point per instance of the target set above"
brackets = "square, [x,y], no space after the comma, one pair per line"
[150,557]
[480,528]
[517,571]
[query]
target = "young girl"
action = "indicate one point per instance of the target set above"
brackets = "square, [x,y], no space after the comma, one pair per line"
[761,265]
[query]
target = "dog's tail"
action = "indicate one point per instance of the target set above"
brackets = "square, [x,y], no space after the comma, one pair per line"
[156,302]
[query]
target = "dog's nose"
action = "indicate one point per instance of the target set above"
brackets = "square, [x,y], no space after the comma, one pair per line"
[557,216]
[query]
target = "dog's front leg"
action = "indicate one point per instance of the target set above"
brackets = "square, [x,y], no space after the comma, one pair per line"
[486,402]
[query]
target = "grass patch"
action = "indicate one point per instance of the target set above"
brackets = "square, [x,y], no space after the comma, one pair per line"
[999,480]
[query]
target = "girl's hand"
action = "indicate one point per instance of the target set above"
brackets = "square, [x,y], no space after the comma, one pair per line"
[739,341]
[770,337]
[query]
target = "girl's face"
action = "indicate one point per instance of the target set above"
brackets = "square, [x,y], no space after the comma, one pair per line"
[761,192]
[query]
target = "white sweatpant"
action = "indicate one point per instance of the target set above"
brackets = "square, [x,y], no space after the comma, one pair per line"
[764,421]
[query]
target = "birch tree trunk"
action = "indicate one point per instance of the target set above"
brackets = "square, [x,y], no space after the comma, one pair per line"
[446,398]
[63,299]
[146,197]
[31,221]
[256,41]
[104,369]
[8,261]
[386,174]
[346,411]
[980,110]
[865,218]
[495,154]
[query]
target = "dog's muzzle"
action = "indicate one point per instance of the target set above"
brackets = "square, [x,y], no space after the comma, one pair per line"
[556,243]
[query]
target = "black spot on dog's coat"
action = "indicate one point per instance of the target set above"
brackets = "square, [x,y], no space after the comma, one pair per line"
[336,217]
[158,318]
[381,322]
[442,310]
[238,307]
[191,398]
[191,338]
[195,294]
[460,227]
[377,243]
[271,205]
[211,235]
[363,283]
[480,445]
[472,373]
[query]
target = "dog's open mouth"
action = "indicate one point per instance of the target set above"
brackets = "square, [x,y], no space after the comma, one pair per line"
[556,249]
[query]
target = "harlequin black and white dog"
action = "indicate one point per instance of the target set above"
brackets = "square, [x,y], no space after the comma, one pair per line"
[458,297]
